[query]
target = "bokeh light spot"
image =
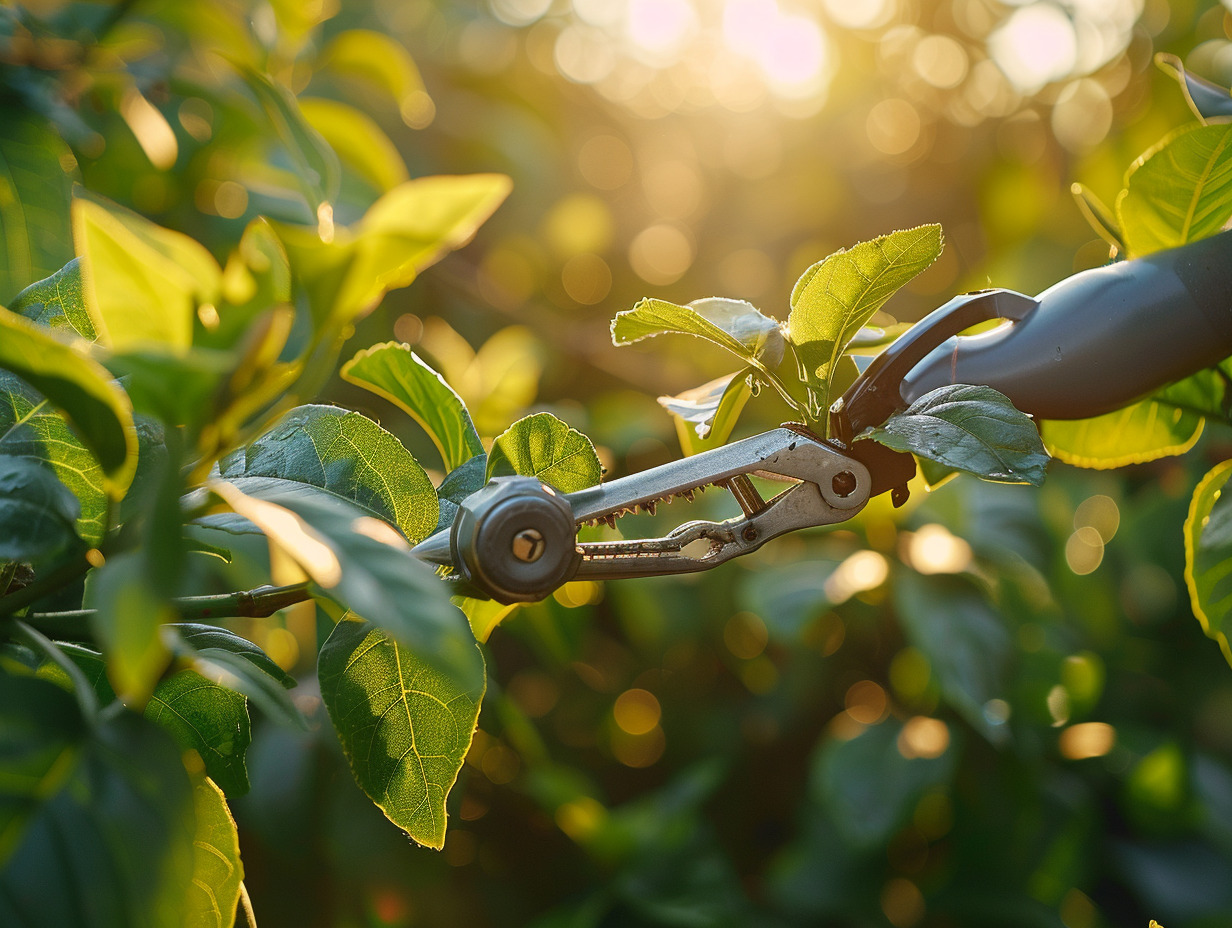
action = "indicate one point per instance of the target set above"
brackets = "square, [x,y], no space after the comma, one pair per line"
[1035,46]
[587,279]
[638,750]
[1084,551]
[902,902]
[940,60]
[866,702]
[661,254]
[863,570]
[605,161]
[859,14]
[893,126]
[579,223]
[660,26]
[923,737]
[745,635]
[1100,513]
[636,711]
[934,550]
[1086,740]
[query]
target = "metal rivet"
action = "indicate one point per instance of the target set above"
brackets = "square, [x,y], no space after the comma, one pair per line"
[844,484]
[528,545]
[749,533]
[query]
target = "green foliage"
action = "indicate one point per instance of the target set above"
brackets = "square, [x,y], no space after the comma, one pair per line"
[405,727]
[58,302]
[1142,432]
[38,513]
[973,429]
[542,446]
[217,872]
[1208,554]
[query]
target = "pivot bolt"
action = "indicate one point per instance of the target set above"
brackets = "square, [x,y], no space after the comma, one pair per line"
[528,545]
[844,484]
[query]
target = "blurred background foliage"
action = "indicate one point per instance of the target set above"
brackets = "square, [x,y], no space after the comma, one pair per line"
[992,706]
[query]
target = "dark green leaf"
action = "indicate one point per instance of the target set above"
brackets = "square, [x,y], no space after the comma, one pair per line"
[348,455]
[31,429]
[867,785]
[234,672]
[542,446]
[1208,555]
[964,640]
[399,375]
[836,297]
[460,483]
[735,325]
[96,826]
[35,192]
[362,564]
[58,302]
[404,725]
[177,387]
[205,638]
[1179,191]
[217,873]
[98,410]
[38,513]
[975,429]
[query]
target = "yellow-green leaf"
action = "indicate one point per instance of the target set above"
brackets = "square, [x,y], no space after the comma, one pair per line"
[214,892]
[735,325]
[544,447]
[705,416]
[1142,432]
[380,62]
[1208,555]
[58,302]
[405,725]
[128,614]
[96,407]
[358,140]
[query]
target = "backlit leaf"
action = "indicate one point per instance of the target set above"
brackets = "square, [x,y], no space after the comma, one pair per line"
[58,302]
[142,283]
[98,410]
[834,298]
[1179,191]
[128,613]
[975,429]
[1099,216]
[1207,393]
[732,324]
[1208,555]
[404,725]
[542,446]
[705,416]
[1142,432]
[204,639]
[399,375]
[379,62]
[358,140]
[96,824]
[217,872]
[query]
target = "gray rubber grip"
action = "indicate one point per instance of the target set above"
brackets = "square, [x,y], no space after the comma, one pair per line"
[1101,339]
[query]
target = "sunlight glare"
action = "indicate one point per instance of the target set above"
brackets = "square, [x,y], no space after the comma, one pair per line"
[660,26]
[1035,46]
[859,14]
[794,54]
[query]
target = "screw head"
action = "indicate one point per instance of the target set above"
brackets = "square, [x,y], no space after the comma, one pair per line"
[844,484]
[749,534]
[528,545]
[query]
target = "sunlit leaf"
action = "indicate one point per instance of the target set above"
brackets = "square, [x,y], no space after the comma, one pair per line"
[542,446]
[316,164]
[255,278]
[35,192]
[735,325]
[404,725]
[98,410]
[235,672]
[214,892]
[347,454]
[1179,191]
[484,614]
[125,623]
[1208,555]
[96,824]
[38,513]
[970,428]
[705,416]
[358,140]
[1142,432]
[836,297]
[964,640]
[1207,393]
[142,283]
[1100,217]
[58,302]
[869,788]
[204,639]
[399,375]
[378,62]
[358,564]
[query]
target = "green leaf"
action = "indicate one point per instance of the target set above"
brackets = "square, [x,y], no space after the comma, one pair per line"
[975,429]
[358,140]
[38,513]
[407,230]
[58,302]
[209,719]
[97,409]
[348,455]
[405,726]
[96,825]
[867,785]
[395,372]
[379,62]
[316,164]
[1208,555]
[834,299]
[214,893]
[256,277]
[205,639]
[458,484]
[965,641]
[31,429]
[233,671]
[1207,393]
[1145,431]
[542,446]
[126,621]
[1178,191]
[180,388]
[357,564]
[35,192]
[1100,217]
[735,325]
[142,283]
[705,416]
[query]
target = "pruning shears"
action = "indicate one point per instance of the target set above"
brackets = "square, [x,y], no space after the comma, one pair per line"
[1091,344]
